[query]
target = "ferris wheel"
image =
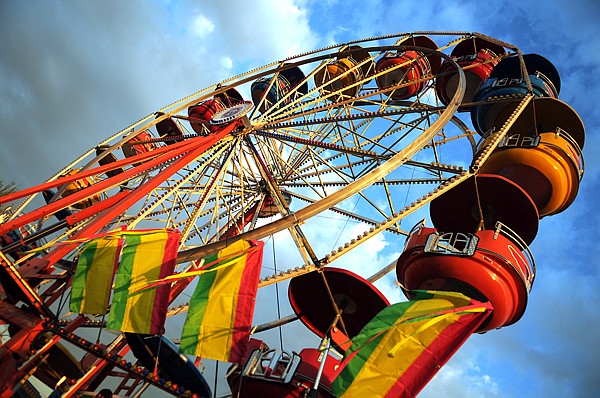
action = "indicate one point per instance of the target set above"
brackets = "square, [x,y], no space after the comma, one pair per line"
[316,154]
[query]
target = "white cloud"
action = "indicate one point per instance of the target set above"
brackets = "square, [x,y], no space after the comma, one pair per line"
[203,26]
[259,32]
[226,62]
[463,376]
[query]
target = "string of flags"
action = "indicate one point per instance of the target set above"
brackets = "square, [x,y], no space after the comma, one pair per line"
[139,266]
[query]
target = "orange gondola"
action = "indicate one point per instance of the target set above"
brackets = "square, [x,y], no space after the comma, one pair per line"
[346,72]
[77,186]
[343,75]
[542,154]
[362,58]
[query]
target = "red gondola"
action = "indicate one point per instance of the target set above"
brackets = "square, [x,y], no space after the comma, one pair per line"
[266,374]
[477,57]
[169,130]
[359,301]
[411,66]
[487,266]
[201,114]
[141,143]
[269,208]
[481,202]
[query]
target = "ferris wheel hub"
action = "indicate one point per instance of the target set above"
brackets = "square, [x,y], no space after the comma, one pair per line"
[232,113]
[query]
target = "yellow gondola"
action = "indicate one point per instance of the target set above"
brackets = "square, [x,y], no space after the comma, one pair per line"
[542,154]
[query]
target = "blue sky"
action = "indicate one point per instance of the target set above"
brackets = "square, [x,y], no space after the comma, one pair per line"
[72,73]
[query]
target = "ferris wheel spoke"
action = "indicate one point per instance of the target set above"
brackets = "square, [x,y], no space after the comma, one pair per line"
[357,217]
[304,248]
[210,189]
[329,201]
[162,195]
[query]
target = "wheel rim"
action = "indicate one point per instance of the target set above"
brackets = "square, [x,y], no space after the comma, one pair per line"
[311,153]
